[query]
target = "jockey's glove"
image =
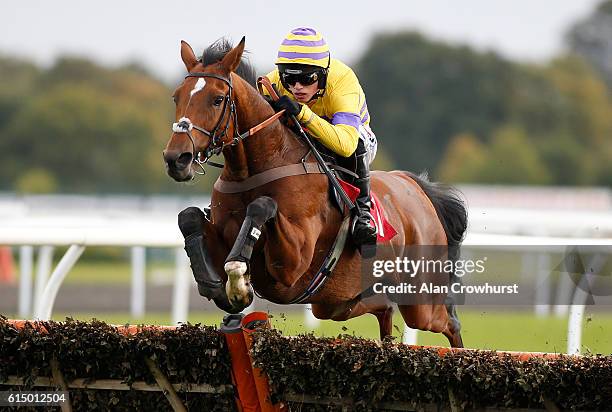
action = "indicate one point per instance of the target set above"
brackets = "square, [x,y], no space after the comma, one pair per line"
[291,106]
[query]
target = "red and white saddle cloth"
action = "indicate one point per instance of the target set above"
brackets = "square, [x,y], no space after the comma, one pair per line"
[384,230]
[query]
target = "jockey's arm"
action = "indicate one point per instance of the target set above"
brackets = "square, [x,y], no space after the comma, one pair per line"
[341,135]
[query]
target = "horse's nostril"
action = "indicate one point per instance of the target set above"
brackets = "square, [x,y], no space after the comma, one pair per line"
[184,160]
[169,157]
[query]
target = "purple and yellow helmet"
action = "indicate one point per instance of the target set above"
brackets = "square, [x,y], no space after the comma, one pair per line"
[306,46]
[304,51]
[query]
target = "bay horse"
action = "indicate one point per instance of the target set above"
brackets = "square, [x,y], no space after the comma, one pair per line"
[274,235]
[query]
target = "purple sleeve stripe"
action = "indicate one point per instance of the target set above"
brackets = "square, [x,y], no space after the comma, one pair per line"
[363,108]
[365,119]
[303,31]
[305,43]
[294,55]
[349,119]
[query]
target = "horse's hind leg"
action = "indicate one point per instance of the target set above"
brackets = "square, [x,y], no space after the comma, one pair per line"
[383,310]
[385,321]
[453,329]
[433,318]
[238,287]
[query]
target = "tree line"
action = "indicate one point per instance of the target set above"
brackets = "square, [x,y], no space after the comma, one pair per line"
[461,114]
[470,116]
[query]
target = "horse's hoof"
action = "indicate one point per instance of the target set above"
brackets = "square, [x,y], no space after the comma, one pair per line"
[238,289]
[239,302]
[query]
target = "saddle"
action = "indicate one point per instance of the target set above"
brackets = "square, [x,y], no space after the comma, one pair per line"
[343,168]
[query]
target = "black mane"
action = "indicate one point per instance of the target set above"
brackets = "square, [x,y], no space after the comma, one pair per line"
[216,51]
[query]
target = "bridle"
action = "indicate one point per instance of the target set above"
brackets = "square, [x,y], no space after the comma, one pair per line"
[184,125]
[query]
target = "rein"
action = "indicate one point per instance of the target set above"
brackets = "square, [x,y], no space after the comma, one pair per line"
[184,125]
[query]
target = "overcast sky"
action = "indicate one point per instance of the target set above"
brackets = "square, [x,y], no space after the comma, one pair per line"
[114,32]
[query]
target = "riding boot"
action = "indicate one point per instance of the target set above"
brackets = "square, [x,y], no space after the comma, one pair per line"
[363,230]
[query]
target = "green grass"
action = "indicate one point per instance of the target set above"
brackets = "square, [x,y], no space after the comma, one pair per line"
[113,272]
[518,331]
[99,273]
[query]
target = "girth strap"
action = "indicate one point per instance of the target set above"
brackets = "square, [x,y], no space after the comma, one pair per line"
[328,265]
[270,175]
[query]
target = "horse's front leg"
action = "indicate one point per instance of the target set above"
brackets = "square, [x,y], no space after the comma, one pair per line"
[238,287]
[201,243]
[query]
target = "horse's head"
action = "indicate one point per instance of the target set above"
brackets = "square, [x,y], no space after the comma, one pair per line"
[205,111]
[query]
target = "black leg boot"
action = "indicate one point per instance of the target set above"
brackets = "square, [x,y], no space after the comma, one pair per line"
[363,231]
[210,283]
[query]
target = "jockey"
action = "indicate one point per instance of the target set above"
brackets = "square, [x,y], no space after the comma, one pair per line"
[325,96]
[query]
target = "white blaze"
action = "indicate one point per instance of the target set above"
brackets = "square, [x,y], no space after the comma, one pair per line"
[198,86]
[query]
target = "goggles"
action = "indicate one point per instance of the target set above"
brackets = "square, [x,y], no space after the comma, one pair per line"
[305,79]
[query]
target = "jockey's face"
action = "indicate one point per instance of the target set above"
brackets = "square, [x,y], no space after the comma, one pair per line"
[302,93]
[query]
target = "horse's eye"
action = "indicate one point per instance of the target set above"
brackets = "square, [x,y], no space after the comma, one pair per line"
[218,100]
[174,99]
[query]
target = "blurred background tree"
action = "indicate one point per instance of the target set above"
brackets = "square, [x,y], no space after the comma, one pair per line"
[17,77]
[476,117]
[36,181]
[462,114]
[591,39]
[80,127]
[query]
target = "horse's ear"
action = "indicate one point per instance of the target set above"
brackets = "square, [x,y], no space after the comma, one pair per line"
[188,56]
[232,58]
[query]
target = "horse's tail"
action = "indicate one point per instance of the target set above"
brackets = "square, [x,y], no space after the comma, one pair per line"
[452,213]
[450,208]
